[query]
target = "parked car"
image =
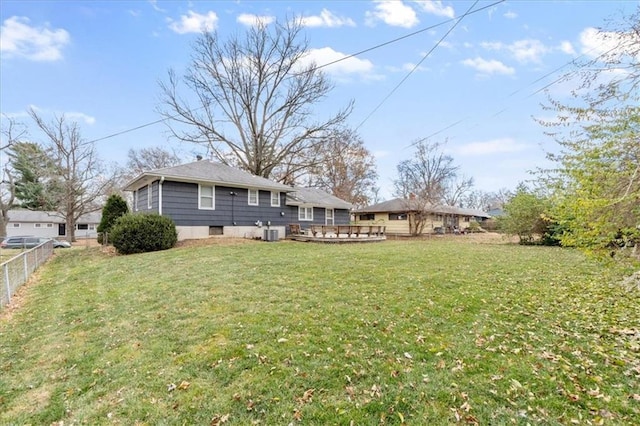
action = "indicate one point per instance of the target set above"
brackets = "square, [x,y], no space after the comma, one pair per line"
[29,241]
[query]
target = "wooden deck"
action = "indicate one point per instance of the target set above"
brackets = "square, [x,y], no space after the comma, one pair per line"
[339,233]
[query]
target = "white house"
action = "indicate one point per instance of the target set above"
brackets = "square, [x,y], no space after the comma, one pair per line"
[50,224]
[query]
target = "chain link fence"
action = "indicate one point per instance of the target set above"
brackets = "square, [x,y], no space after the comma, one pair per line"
[17,270]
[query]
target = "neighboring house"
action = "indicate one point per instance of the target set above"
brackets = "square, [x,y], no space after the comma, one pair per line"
[205,198]
[395,215]
[50,224]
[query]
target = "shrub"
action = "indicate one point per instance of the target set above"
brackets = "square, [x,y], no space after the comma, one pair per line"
[115,207]
[141,233]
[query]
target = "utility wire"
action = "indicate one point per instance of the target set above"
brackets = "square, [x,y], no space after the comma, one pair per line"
[377,46]
[416,66]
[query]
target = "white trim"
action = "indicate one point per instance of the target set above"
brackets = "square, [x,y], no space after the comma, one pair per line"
[212,197]
[302,213]
[257,194]
[150,196]
[326,217]
[37,225]
[135,200]
[277,194]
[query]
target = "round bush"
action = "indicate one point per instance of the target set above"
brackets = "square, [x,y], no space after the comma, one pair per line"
[141,233]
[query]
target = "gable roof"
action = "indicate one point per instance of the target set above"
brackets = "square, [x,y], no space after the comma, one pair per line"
[315,197]
[209,172]
[32,216]
[401,205]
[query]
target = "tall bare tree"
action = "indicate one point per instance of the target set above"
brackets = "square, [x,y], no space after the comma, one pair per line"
[424,181]
[151,158]
[427,174]
[346,169]
[83,178]
[254,95]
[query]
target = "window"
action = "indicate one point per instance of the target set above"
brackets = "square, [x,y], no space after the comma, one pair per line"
[305,213]
[467,219]
[15,225]
[328,217]
[92,227]
[367,216]
[82,227]
[49,225]
[397,216]
[253,197]
[206,200]
[275,199]
[135,200]
[149,196]
[37,225]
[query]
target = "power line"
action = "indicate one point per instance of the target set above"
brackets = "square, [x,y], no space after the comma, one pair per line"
[416,66]
[377,46]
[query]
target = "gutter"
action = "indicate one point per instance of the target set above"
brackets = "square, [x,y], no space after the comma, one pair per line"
[160,195]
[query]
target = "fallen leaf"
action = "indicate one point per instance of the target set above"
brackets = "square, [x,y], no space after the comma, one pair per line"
[184,385]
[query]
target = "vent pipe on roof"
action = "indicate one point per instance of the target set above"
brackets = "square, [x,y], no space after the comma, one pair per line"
[198,157]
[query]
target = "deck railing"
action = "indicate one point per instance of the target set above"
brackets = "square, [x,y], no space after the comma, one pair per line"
[17,270]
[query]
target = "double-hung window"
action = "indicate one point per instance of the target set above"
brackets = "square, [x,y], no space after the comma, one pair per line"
[275,199]
[253,197]
[206,199]
[305,213]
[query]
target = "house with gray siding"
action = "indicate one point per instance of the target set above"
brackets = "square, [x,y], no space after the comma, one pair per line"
[206,198]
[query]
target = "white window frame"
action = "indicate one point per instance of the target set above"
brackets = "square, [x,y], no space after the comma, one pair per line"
[213,197]
[255,192]
[49,225]
[275,199]
[303,213]
[326,217]
[149,196]
[37,225]
[15,225]
[135,200]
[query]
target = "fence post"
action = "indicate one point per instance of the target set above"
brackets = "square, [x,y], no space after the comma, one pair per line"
[26,267]
[6,279]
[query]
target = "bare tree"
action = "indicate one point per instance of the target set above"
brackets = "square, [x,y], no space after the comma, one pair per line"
[254,95]
[11,133]
[456,189]
[427,174]
[424,180]
[152,158]
[83,179]
[346,169]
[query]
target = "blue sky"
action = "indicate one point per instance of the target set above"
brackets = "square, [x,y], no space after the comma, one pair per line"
[99,62]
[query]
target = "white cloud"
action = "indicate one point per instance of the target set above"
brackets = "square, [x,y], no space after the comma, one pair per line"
[595,43]
[567,48]
[71,115]
[18,38]
[326,19]
[253,20]
[345,67]
[435,7]
[488,66]
[510,15]
[194,22]
[524,51]
[495,146]
[392,12]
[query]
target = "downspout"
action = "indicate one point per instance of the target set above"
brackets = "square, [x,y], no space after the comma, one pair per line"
[160,195]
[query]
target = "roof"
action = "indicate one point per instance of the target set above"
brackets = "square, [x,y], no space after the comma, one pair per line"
[210,172]
[401,205]
[33,216]
[316,197]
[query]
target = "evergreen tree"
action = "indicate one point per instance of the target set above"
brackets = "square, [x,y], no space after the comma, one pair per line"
[115,207]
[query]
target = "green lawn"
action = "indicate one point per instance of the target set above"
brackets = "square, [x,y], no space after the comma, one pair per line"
[417,332]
